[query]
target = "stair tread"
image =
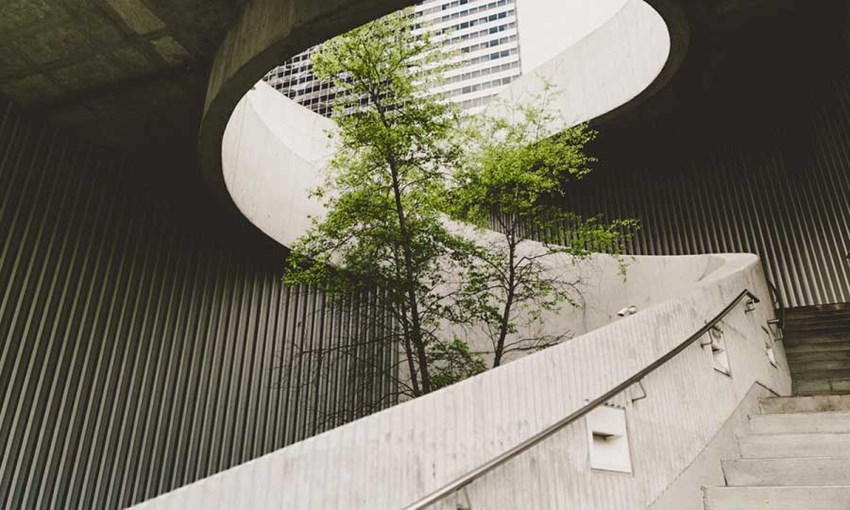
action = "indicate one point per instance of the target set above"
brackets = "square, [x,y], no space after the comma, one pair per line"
[802,497]
[794,445]
[801,423]
[801,404]
[787,472]
[816,347]
[821,375]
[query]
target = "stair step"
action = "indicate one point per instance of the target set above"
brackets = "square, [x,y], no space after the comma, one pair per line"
[821,386]
[831,355]
[822,375]
[816,331]
[778,498]
[809,348]
[785,446]
[815,366]
[797,319]
[807,338]
[787,472]
[816,323]
[801,423]
[818,310]
[805,404]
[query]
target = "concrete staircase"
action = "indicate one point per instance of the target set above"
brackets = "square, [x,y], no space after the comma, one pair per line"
[817,342]
[796,455]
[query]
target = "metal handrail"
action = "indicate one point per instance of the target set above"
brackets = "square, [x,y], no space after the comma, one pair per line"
[466,479]
[778,305]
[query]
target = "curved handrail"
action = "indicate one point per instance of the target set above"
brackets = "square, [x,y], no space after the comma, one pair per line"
[466,479]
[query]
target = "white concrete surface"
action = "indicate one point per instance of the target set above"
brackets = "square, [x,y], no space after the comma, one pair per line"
[684,493]
[807,404]
[392,458]
[787,446]
[787,472]
[273,149]
[790,423]
[272,154]
[547,27]
[777,498]
[605,69]
[796,460]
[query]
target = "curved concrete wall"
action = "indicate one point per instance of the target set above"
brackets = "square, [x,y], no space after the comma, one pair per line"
[267,33]
[273,150]
[604,70]
[272,155]
[392,458]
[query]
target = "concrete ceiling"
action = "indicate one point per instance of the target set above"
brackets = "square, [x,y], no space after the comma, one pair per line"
[134,73]
[113,70]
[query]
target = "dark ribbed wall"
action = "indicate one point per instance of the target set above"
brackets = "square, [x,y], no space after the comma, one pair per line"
[777,185]
[137,352]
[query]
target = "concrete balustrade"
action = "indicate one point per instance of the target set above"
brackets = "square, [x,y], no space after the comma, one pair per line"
[392,458]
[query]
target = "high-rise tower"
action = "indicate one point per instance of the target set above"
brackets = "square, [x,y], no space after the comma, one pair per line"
[484,34]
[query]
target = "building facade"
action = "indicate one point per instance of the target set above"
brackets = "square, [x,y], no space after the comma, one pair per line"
[484,36]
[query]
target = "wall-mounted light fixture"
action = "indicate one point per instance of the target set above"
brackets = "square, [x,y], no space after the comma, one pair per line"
[629,310]
[719,356]
[608,435]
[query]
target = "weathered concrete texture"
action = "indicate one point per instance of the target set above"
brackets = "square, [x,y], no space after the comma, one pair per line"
[809,404]
[788,461]
[684,493]
[625,60]
[420,445]
[271,153]
[787,472]
[791,423]
[112,70]
[777,498]
[266,33]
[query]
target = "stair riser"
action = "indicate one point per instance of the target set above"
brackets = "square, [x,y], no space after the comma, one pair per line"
[777,498]
[818,330]
[806,339]
[787,472]
[788,446]
[815,348]
[821,387]
[815,404]
[798,366]
[820,375]
[801,423]
[804,357]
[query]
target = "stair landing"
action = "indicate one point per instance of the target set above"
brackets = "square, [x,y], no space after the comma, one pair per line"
[817,342]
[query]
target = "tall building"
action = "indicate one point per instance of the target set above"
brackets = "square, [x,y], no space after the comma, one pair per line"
[484,35]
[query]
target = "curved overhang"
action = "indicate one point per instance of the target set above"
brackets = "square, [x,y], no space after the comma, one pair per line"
[266,33]
[264,153]
[624,61]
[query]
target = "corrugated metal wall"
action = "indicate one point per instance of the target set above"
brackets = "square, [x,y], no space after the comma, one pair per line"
[137,355]
[780,191]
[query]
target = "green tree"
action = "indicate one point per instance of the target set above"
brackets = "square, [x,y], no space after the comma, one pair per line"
[510,179]
[382,194]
